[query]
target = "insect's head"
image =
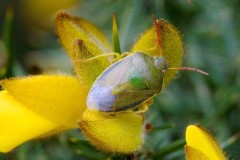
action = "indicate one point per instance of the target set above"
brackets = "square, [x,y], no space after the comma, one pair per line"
[161,64]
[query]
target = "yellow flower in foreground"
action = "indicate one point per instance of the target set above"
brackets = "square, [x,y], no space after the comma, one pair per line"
[201,145]
[36,106]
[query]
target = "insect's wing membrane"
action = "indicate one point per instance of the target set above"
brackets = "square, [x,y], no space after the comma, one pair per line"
[101,96]
[115,74]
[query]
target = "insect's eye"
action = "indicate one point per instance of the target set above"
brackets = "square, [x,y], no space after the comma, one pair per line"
[161,63]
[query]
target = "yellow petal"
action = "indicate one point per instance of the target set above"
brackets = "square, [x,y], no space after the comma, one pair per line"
[70,28]
[87,71]
[201,140]
[194,154]
[18,124]
[171,46]
[83,40]
[59,98]
[120,133]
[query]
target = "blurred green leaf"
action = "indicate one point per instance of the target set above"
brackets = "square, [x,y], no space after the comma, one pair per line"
[169,149]
[115,36]
[3,60]
[7,40]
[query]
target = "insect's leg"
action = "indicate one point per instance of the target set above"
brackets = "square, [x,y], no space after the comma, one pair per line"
[125,54]
[100,56]
[150,49]
[155,50]
[144,106]
[141,108]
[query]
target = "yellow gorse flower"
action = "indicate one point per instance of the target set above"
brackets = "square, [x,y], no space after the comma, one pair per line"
[201,145]
[36,106]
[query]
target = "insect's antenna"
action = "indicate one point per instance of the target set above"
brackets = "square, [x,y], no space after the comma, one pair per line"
[159,41]
[191,69]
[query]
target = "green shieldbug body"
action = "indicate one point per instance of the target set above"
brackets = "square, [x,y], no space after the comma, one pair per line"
[127,83]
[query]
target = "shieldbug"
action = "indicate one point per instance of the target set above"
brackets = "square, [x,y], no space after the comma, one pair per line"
[127,83]
[130,81]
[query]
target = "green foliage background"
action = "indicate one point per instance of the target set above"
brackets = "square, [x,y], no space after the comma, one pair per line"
[211,35]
